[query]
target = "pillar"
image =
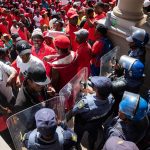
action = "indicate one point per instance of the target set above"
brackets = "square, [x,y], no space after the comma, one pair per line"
[129,9]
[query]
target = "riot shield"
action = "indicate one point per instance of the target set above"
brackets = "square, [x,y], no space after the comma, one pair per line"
[72,89]
[108,61]
[24,121]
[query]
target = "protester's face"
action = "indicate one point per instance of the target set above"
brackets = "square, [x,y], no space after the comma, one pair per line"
[25,58]
[58,26]
[34,86]
[78,40]
[73,21]
[37,42]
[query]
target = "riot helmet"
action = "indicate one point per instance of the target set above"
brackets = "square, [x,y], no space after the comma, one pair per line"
[139,36]
[133,106]
[134,68]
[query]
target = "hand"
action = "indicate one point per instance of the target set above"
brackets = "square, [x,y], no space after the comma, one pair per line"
[88,90]
[5,110]
[46,58]
[51,91]
[18,82]
[49,57]
[10,81]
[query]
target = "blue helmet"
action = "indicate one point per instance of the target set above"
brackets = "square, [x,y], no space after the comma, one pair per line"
[139,36]
[133,106]
[133,67]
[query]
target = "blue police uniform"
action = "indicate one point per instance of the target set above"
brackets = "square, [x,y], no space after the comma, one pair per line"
[133,131]
[89,113]
[62,140]
[48,135]
[138,54]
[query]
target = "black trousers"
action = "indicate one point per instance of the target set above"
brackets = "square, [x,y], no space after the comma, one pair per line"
[91,127]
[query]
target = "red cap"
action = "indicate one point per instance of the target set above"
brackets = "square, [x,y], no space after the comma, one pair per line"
[43,12]
[72,13]
[62,42]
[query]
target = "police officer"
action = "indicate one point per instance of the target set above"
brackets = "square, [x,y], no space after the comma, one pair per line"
[91,109]
[48,135]
[132,123]
[132,79]
[137,42]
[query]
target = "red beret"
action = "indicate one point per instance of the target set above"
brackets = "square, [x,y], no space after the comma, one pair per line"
[62,42]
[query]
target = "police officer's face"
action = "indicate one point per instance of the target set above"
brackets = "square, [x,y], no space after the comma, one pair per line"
[132,45]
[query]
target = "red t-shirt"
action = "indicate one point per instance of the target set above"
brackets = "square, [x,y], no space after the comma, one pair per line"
[44,21]
[101,16]
[97,51]
[23,34]
[70,29]
[44,51]
[90,29]
[84,56]
[4,28]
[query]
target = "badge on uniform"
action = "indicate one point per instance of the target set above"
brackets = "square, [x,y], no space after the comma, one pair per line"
[74,138]
[80,104]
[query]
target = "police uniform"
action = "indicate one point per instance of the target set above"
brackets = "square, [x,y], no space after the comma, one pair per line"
[63,140]
[89,113]
[133,131]
[48,135]
[138,54]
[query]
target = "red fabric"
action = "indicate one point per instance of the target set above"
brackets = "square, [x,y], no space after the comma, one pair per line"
[22,11]
[70,29]
[44,21]
[67,7]
[1,43]
[66,71]
[97,50]
[84,56]
[62,41]
[39,1]
[23,34]
[10,18]
[72,13]
[109,1]
[101,16]
[3,125]
[90,29]
[14,64]
[4,28]
[44,51]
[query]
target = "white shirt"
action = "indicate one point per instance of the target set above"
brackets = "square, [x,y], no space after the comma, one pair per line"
[14,30]
[5,71]
[24,66]
[37,20]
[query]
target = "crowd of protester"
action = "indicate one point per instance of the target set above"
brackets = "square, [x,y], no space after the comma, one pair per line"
[43,45]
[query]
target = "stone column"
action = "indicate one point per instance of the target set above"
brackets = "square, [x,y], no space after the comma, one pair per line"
[129,9]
